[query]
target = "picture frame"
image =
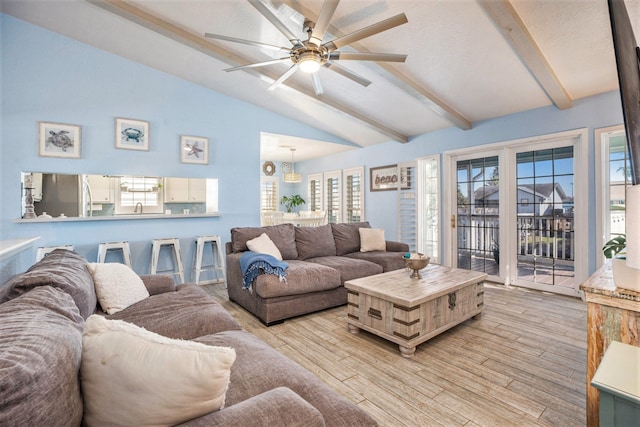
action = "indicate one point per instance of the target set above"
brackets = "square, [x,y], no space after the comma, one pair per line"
[194,149]
[132,134]
[385,178]
[59,140]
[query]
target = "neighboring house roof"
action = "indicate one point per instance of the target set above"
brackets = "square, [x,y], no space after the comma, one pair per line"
[541,190]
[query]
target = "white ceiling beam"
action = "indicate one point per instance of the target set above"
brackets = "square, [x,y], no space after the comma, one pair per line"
[398,78]
[197,41]
[517,34]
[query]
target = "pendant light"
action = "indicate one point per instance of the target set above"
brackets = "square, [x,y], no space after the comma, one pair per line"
[292,176]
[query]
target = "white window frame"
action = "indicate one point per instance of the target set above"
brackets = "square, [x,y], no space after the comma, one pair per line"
[123,209]
[318,178]
[425,182]
[345,190]
[276,181]
[601,140]
[508,214]
[337,174]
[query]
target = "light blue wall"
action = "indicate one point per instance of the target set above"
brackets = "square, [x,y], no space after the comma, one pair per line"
[593,112]
[48,77]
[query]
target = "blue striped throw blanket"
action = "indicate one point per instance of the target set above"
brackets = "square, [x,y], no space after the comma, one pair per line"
[253,264]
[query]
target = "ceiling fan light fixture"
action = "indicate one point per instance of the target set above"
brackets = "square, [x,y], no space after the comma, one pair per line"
[309,63]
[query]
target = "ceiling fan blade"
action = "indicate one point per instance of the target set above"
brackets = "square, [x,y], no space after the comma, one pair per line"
[317,84]
[276,22]
[249,42]
[347,73]
[283,77]
[257,64]
[367,32]
[320,28]
[367,56]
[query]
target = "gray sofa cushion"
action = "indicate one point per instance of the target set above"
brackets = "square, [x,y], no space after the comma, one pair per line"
[313,242]
[265,409]
[349,268]
[61,269]
[40,350]
[347,236]
[283,236]
[388,260]
[259,368]
[307,278]
[186,313]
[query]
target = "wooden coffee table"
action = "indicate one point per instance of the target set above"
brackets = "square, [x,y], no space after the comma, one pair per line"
[409,311]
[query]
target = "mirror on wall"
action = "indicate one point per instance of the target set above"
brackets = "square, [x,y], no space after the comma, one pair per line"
[55,195]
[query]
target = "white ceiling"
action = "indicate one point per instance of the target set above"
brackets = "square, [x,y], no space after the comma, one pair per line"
[468,60]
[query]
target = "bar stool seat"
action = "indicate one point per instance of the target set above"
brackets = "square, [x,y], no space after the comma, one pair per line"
[174,245]
[217,265]
[43,251]
[103,248]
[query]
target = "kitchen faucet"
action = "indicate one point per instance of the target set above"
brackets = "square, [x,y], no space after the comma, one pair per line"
[136,208]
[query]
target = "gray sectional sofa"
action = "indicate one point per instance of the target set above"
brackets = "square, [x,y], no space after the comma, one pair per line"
[42,313]
[320,260]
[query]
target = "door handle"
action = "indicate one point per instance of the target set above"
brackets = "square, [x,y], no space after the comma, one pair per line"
[453,221]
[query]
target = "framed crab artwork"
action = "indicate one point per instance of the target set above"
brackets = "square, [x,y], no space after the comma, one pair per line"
[194,149]
[132,134]
[58,140]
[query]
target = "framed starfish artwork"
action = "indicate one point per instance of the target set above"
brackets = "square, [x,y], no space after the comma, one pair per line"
[194,149]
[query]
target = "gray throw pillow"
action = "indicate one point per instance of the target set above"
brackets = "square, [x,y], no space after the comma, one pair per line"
[314,242]
[283,236]
[347,236]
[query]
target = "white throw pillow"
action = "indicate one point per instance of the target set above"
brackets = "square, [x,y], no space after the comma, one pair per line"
[117,286]
[264,245]
[372,239]
[133,377]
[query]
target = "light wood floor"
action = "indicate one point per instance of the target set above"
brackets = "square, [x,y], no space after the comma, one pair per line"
[523,362]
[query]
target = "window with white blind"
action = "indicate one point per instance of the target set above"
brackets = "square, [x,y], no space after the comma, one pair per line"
[353,194]
[333,196]
[314,195]
[268,194]
[139,194]
[428,172]
[408,205]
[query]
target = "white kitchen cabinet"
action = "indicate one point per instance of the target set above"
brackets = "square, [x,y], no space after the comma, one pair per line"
[185,190]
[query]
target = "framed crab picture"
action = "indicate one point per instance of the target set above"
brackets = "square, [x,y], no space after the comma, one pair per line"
[58,140]
[194,149]
[132,134]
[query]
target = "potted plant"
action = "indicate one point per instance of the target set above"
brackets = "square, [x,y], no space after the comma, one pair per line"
[291,202]
[615,246]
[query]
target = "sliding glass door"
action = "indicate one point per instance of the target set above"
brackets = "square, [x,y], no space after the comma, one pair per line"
[545,216]
[478,207]
[518,212]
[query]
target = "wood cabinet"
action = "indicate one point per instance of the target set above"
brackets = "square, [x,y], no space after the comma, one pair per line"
[185,190]
[102,190]
[613,314]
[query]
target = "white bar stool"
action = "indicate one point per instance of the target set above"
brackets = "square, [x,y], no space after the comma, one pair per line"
[174,243]
[43,251]
[103,248]
[216,252]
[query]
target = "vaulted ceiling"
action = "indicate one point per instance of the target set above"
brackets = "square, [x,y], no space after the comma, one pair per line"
[467,60]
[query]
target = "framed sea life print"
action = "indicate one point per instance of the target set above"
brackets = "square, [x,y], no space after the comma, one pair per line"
[132,134]
[194,149]
[58,140]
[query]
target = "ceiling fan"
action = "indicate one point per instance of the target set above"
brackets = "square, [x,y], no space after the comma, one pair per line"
[311,54]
